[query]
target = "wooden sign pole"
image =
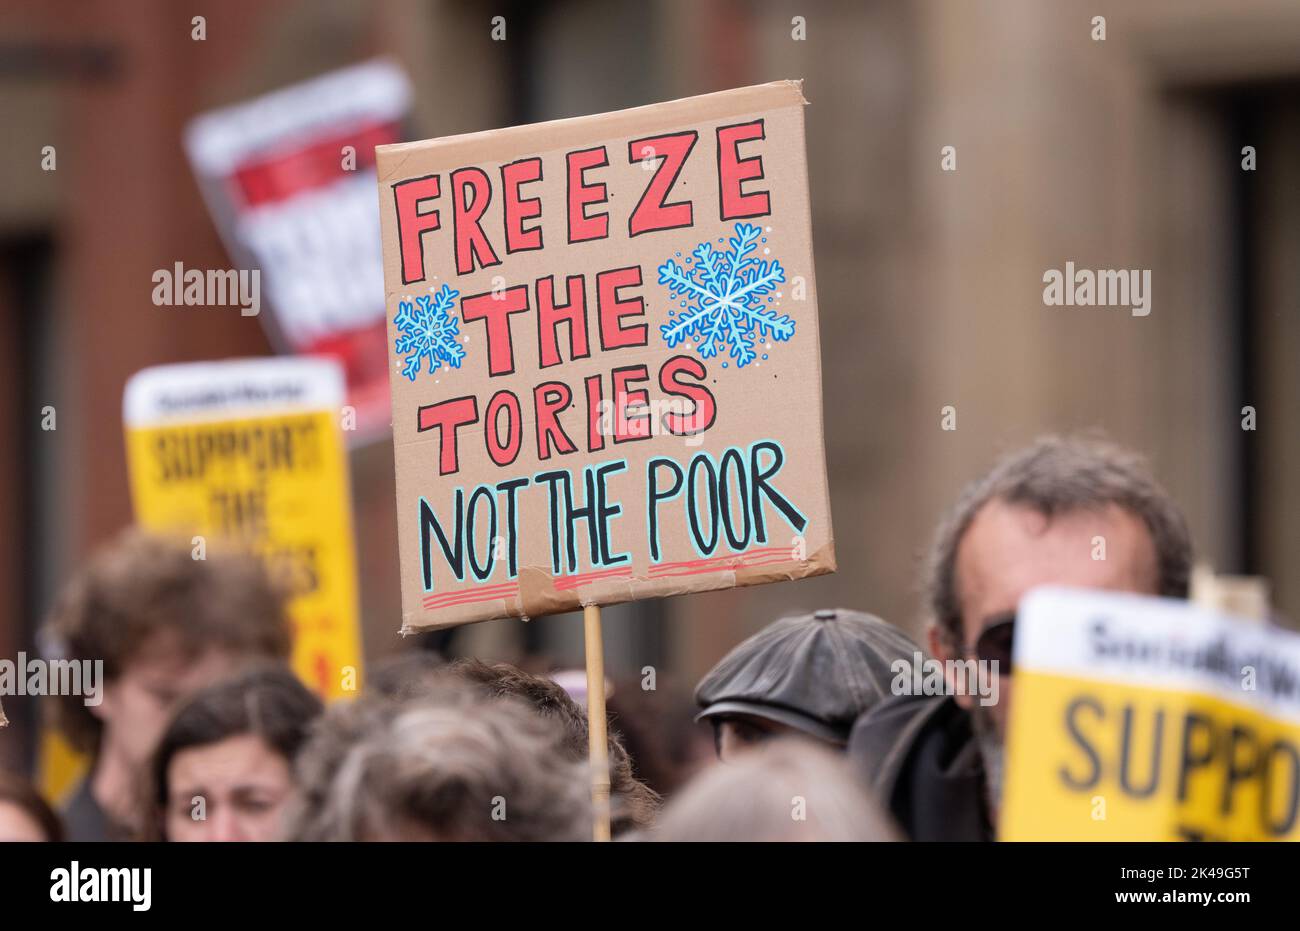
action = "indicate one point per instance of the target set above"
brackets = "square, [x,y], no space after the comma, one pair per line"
[598,741]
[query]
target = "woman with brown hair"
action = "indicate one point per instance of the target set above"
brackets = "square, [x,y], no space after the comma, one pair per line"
[223,770]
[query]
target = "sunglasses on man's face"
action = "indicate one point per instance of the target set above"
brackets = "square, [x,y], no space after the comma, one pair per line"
[995,642]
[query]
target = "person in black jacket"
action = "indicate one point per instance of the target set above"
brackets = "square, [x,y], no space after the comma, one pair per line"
[1073,512]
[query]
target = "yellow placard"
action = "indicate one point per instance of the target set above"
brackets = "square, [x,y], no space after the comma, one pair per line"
[273,481]
[249,452]
[1135,723]
[59,766]
[1100,761]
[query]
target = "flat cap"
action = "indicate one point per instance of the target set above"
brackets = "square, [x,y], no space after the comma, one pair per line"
[816,672]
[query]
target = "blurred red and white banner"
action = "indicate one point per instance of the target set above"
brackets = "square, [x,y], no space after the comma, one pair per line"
[290,180]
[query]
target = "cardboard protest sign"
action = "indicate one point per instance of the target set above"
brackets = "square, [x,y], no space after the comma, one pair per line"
[1150,719]
[250,452]
[289,178]
[604,357]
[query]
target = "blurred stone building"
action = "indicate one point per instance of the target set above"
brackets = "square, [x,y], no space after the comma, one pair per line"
[1122,152]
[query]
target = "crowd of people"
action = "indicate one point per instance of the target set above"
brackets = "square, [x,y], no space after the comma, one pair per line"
[204,734]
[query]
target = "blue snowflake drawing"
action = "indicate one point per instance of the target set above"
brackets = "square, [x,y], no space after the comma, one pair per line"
[722,295]
[429,331]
